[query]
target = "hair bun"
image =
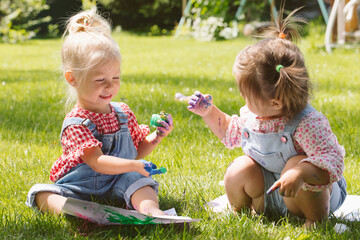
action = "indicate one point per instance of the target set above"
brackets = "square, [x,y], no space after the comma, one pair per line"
[81,22]
[88,21]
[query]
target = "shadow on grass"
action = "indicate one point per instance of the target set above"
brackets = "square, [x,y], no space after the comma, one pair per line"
[156,231]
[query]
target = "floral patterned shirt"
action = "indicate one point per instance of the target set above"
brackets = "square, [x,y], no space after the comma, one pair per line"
[76,138]
[312,137]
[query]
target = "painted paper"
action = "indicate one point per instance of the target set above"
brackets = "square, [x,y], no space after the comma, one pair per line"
[109,215]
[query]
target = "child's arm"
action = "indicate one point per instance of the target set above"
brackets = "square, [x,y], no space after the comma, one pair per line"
[110,165]
[217,121]
[296,174]
[150,142]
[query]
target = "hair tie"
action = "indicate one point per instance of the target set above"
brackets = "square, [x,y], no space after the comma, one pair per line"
[278,67]
[281,35]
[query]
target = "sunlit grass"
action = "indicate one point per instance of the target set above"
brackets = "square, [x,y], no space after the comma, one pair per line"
[154,69]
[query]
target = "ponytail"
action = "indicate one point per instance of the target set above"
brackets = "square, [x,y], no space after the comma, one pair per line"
[274,68]
[288,28]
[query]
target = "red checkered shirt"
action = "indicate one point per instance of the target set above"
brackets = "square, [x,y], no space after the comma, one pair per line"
[76,138]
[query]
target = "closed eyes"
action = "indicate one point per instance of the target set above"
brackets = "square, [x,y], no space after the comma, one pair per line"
[103,79]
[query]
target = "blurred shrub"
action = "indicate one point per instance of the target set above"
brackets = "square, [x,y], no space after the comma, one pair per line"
[208,20]
[216,19]
[212,20]
[60,11]
[141,15]
[19,19]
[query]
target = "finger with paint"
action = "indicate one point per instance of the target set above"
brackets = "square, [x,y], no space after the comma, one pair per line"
[164,126]
[273,188]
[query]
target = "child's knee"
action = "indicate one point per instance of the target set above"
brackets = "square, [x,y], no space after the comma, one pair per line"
[40,198]
[233,172]
[48,201]
[241,171]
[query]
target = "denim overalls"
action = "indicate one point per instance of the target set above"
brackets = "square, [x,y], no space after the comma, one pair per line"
[271,151]
[84,183]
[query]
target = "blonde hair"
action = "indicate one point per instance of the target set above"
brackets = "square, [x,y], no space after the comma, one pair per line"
[87,43]
[258,77]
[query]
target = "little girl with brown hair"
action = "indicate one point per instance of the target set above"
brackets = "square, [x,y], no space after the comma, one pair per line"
[293,162]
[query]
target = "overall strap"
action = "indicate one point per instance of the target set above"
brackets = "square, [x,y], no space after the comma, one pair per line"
[294,122]
[77,121]
[122,117]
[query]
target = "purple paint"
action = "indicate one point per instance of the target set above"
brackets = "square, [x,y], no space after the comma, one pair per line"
[271,190]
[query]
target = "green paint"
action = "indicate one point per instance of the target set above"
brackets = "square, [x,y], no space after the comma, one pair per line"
[116,217]
[154,120]
[163,116]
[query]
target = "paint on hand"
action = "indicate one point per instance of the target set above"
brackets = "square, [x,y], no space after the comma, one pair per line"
[207,101]
[200,104]
[271,190]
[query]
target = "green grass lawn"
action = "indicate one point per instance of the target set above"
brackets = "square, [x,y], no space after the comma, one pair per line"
[154,69]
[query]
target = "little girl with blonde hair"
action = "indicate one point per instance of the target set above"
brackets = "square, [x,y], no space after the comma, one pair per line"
[100,138]
[293,162]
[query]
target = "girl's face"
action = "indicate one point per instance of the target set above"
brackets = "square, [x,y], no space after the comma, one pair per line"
[100,86]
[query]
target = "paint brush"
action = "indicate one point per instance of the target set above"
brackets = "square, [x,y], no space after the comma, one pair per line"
[158,171]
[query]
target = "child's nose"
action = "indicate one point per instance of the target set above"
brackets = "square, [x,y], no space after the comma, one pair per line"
[109,84]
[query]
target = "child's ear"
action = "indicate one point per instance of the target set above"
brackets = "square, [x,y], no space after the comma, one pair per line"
[70,78]
[276,104]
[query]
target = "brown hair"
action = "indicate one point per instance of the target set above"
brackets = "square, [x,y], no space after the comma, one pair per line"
[256,72]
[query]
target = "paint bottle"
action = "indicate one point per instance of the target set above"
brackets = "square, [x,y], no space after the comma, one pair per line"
[156,117]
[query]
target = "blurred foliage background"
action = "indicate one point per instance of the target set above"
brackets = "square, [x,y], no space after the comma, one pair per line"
[24,19]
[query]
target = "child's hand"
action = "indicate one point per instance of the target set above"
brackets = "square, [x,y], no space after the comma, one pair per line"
[200,104]
[151,168]
[289,183]
[166,126]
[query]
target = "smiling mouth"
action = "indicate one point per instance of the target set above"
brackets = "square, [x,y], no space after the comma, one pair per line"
[107,96]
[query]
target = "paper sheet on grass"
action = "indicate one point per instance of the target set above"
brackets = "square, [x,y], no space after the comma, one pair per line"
[349,210]
[109,215]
